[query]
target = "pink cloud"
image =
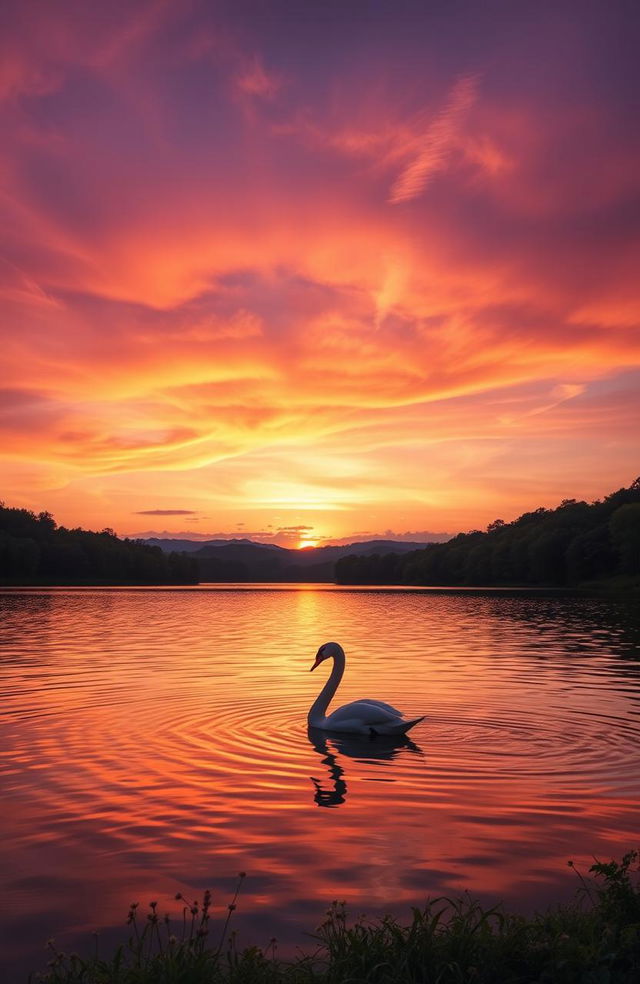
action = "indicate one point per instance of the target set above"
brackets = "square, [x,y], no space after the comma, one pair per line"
[254,80]
[437,143]
[204,279]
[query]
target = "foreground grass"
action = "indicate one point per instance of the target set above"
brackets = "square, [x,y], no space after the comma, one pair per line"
[594,940]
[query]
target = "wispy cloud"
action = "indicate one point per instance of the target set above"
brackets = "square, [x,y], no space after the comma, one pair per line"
[417,536]
[164,512]
[254,80]
[437,144]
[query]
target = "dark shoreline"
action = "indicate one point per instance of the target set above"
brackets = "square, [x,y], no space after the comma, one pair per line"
[613,591]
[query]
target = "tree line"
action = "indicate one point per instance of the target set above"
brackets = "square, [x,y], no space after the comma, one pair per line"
[35,550]
[575,543]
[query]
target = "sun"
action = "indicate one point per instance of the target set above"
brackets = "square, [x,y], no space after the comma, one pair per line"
[305,541]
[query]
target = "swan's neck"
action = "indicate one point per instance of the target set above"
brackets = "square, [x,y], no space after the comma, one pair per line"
[318,710]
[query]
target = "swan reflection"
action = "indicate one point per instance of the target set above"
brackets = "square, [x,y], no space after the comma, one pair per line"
[365,749]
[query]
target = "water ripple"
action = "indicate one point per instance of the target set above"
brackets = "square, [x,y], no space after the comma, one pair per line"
[149,736]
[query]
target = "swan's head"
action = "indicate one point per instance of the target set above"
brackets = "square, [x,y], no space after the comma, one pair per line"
[329,651]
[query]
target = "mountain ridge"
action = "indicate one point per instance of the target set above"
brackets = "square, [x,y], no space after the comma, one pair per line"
[247,560]
[169,544]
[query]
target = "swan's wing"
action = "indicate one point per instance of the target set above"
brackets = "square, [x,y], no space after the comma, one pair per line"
[381,704]
[368,712]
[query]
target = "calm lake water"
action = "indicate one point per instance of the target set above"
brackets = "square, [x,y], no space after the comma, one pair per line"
[155,741]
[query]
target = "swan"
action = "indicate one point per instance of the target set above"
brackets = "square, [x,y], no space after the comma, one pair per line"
[361,717]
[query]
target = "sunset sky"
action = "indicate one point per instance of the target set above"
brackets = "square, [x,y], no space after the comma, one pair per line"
[319,269]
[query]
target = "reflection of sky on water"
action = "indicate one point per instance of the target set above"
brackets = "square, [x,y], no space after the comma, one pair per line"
[156,741]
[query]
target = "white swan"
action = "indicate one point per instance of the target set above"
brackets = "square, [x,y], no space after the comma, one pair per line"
[361,717]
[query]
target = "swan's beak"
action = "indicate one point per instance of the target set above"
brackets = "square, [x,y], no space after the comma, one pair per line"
[317,663]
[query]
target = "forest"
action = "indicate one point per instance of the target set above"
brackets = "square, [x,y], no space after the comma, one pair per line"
[35,550]
[578,543]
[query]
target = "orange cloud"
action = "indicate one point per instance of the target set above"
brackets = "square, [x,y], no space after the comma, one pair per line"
[436,144]
[206,286]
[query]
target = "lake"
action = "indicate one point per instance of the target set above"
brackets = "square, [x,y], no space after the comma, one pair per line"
[155,741]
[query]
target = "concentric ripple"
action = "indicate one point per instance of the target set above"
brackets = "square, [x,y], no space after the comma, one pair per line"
[155,740]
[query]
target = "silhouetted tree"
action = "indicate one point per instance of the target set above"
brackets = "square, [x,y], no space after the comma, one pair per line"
[625,534]
[34,549]
[574,543]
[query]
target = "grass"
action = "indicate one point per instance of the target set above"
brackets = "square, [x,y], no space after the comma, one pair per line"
[593,940]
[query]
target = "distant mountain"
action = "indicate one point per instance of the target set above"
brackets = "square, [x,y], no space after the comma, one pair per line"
[190,546]
[246,560]
[313,555]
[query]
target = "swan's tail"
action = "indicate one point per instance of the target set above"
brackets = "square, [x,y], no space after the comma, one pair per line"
[400,728]
[406,725]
